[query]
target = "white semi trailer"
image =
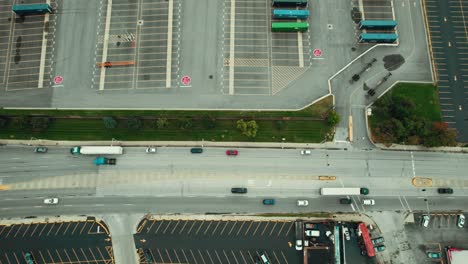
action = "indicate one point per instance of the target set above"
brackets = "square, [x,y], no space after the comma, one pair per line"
[96,150]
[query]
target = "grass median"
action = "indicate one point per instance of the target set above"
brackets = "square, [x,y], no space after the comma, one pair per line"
[307,125]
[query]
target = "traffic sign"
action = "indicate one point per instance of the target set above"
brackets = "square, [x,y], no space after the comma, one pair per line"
[186,80]
[58,79]
[317,52]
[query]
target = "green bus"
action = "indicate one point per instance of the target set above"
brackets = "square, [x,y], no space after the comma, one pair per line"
[289,26]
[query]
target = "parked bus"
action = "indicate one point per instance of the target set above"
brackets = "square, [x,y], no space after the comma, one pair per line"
[33,9]
[378,38]
[289,26]
[290,14]
[289,3]
[377,24]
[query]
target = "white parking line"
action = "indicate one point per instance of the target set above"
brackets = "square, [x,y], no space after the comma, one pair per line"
[105,44]
[232,42]
[169,44]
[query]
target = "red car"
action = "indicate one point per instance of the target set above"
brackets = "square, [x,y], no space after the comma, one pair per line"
[232,152]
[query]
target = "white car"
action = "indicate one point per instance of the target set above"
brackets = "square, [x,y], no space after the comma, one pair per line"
[330,236]
[51,201]
[151,150]
[425,220]
[299,244]
[461,221]
[302,203]
[306,152]
[368,202]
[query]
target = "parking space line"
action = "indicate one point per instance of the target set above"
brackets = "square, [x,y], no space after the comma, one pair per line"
[216,227]
[152,255]
[240,228]
[273,228]
[168,256]
[76,255]
[199,253]
[177,256]
[42,257]
[208,253]
[226,224]
[182,229]
[19,228]
[3,228]
[160,255]
[217,255]
[207,228]
[92,253]
[50,255]
[290,227]
[8,259]
[258,225]
[169,43]
[34,231]
[224,252]
[81,230]
[232,228]
[149,228]
[9,231]
[100,253]
[172,232]
[248,228]
[193,256]
[202,222]
[16,257]
[68,257]
[276,257]
[234,255]
[165,229]
[281,229]
[66,229]
[27,228]
[284,257]
[267,223]
[58,254]
[242,255]
[58,229]
[160,224]
[185,256]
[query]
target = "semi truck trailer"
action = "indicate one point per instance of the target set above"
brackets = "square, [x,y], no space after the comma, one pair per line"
[344,191]
[96,150]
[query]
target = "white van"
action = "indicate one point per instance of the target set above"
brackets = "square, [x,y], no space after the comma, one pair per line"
[368,202]
[425,220]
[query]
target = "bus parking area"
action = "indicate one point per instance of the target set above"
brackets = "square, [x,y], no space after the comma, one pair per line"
[183,241]
[258,61]
[26,43]
[84,241]
[138,45]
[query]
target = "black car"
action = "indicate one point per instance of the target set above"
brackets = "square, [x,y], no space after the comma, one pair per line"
[445,190]
[238,190]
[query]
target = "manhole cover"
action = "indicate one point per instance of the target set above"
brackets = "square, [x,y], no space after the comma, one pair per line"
[140,22]
[330,26]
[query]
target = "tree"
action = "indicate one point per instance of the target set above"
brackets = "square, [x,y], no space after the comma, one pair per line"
[440,135]
[162,122]
[21,121]
[280,124]
[248,128]
[109,122]
[333,118]
[185,123]
[134,123]
[3,122]
[208,122]
[39,123]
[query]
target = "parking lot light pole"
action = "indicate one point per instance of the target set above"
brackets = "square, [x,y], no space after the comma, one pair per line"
[282,143]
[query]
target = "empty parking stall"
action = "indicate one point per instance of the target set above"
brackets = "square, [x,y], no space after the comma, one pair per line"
[138,45]
[256,60]
[56,242]
[182,241]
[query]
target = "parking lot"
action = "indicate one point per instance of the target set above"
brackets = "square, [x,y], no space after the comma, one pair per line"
[27,45]
[141,47]
[442,231]
[447,29]
[59,242]
[183,241]
[375,9]
[256,60]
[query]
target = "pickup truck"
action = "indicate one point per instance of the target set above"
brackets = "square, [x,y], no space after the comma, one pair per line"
[104,161]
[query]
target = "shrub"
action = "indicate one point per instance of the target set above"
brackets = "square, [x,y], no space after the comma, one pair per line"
[134,123]
[109,122]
